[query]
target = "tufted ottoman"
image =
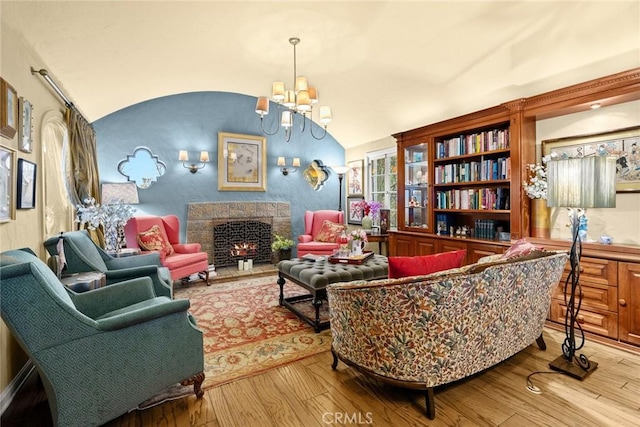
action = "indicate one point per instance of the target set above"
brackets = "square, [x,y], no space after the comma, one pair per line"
[314,276]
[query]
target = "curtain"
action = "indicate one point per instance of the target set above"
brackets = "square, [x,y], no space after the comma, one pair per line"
[84,180]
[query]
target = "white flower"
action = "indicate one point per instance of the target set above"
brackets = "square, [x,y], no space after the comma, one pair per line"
[536,186]
[94,215]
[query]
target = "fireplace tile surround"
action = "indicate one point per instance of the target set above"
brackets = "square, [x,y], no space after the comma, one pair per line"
[201,216]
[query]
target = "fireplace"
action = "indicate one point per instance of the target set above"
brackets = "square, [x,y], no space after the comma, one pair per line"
[242,239]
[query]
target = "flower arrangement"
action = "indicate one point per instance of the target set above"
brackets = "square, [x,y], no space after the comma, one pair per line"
[371,208]
[280,243]
[95,215]
[536,186]
[358,234]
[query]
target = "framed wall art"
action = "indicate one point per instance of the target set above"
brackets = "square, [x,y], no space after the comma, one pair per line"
[623,144]
[26,193]
[355,177]
[7,184]
[9,111]
[25,126]
[354,210]
[242,161]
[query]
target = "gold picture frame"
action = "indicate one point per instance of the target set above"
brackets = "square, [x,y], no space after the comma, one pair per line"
[242,161]
[623,144]
[7,184]
[355,178]
[8,110]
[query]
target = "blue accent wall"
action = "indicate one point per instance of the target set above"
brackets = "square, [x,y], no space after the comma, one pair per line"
[191,121]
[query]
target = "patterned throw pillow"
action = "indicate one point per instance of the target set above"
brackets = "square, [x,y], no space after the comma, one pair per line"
[520,248]
[406,266]
[153,240]
[329,232]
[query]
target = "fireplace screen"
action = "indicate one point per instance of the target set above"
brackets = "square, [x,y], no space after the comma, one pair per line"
[242,239]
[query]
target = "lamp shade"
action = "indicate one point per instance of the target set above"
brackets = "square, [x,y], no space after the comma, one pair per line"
[583,182]
[114,192]
[183,156]
[281,161]
[204,156]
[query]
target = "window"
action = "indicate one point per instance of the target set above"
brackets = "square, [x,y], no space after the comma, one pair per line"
[382,170]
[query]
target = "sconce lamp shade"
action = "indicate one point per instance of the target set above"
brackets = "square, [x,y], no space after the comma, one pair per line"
[204,156]
[295,162]
[183,156]
[281,161]
[583,182]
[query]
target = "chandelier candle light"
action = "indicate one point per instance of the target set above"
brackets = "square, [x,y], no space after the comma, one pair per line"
[297,101]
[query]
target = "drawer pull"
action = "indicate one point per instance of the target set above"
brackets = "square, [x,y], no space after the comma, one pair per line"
[622,303]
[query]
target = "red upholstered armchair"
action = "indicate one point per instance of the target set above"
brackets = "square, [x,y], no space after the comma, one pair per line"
[162,233]
[308,243]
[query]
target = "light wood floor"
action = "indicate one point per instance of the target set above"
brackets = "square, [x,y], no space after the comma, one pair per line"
[308,393]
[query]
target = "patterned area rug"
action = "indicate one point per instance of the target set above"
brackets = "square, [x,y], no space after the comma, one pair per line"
[246,331]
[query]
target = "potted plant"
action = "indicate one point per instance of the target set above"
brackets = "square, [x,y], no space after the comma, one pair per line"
[281,248]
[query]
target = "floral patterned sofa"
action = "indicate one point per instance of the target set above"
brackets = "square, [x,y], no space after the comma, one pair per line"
[424,331]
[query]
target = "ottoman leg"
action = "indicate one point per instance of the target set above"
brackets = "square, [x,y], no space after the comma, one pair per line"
[281,283]
[317,303]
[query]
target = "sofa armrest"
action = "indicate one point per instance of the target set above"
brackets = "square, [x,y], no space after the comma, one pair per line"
[305,238]
[103,300]
[187,248]
[144,259]
[156,309]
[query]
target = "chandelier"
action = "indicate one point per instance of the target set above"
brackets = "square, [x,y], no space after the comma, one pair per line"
[297,102]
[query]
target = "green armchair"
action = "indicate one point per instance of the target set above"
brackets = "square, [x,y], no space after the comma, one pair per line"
[98,353]
[83,255]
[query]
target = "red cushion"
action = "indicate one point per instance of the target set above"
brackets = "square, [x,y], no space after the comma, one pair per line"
[329,231]
[153,240]
[520,248]
[406,266]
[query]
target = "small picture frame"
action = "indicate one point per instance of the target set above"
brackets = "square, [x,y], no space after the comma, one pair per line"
[9,110]
[26,184]
[355,178]
[354,210]
[7,184]
[242,161]
[25,126]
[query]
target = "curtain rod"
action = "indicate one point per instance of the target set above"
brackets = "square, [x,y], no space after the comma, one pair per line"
[45,75]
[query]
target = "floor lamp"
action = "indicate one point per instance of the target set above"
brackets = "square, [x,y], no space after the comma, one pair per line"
[341,171]
[578,184]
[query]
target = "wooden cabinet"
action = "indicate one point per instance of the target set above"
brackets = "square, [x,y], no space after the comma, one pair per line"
[610,291]
[629,302]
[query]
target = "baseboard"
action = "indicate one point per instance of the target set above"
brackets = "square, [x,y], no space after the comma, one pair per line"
[11,391]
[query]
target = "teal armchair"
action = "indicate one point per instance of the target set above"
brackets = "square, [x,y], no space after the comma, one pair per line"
[83,255]
[99,353]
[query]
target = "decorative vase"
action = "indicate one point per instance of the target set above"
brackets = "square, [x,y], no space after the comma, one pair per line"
[540,219]
[356,247]
[112,242]
[367,222]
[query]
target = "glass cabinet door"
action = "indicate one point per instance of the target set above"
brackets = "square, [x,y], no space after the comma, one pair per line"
[416,176]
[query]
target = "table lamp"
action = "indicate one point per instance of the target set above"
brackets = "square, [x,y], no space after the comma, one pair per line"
[578,184]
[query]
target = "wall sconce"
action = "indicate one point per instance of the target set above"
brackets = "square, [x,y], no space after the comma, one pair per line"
[193,168]
[295,163]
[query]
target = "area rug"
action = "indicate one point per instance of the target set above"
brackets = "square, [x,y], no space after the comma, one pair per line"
[245,329]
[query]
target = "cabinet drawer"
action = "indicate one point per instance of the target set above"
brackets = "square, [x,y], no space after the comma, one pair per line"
[594,270]
[596,321]
[475,251]
[594,295]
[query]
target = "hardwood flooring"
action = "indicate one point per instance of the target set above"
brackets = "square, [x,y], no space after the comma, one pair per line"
[308,393]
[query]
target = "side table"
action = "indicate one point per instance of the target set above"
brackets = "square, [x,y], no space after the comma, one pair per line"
[82,282]
[380,238]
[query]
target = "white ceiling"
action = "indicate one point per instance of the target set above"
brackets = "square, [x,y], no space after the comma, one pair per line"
[382,66]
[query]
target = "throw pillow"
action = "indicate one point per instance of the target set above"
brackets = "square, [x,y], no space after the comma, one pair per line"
[520,248]
[406,266]
[153,240]
[329,231]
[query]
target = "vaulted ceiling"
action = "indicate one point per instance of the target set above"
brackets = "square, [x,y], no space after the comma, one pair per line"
[382,66]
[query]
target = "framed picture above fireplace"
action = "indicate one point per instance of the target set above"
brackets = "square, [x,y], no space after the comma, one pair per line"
[242,161]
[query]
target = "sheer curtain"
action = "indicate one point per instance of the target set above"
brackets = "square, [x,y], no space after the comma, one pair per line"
[84,182]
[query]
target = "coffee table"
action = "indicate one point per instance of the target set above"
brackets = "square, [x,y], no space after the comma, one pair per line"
[314,276]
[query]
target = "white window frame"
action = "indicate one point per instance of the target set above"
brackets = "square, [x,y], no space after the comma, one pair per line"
[375,155]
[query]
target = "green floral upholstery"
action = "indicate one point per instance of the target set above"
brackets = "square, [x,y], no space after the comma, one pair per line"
[83,255]
[98,353]
[430,330]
